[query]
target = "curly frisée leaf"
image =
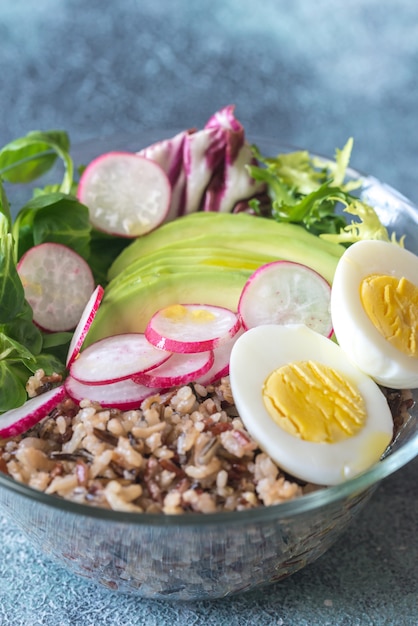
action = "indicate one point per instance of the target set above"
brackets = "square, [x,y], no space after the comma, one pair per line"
[338,168]
[293,171]
[370,226]
[305,190]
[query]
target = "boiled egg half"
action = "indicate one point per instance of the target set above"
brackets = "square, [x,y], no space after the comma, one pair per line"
[374,310]
[307,405]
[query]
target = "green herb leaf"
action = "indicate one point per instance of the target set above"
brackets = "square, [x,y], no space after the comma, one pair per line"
[12,296]
[27,158]
[369,226]
[15,352]
[54,217]
[5,208]
[23,330]
[50,363]
[104,249]
[13,391]
[316,211]
[305,190]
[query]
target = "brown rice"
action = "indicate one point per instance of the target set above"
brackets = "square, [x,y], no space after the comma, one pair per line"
[185,450]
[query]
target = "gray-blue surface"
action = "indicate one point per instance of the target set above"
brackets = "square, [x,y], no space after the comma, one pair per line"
[310,74]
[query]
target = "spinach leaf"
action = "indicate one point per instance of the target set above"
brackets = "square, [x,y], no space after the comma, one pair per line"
[27,158]
[15,352]
[5,208]
[24,331]
[52,363]
[12,296]
[13,391]
[54,217]
[17,363]
[55,348]
[104,249]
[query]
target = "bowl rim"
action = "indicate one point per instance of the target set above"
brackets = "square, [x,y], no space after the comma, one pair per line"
[350,488]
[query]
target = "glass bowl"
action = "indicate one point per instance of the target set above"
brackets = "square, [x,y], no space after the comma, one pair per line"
[197,556]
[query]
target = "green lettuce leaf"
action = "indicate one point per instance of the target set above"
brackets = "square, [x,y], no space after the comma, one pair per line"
[369,226]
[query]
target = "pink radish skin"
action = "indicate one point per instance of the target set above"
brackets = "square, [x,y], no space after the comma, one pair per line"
[58,283]
[116,358]
[179,369]
[17,421]
[220,365]
[284,292]
[84,324]
[190,328]
[124,395]
[127,194]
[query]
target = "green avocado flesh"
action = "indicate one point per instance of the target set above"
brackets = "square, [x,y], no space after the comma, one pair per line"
[204,258]
[130,311]
[210,226]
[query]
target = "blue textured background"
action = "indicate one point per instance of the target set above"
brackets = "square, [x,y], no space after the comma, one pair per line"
[310,74]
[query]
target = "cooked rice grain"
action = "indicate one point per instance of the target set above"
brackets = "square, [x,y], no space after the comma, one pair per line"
[186,450]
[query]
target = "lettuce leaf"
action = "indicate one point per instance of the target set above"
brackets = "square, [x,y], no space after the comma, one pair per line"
[305,190]
[369,226]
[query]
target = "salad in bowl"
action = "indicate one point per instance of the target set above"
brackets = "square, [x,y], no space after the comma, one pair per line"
[201,343]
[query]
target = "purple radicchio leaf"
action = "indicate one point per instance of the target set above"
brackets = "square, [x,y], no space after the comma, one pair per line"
[168,153]
[231,182]
[207,168]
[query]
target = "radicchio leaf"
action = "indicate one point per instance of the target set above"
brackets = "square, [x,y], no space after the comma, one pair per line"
[207,168]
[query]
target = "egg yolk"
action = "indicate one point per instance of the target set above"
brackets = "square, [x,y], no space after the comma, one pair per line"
[392,306]
[314,402]
[178,313]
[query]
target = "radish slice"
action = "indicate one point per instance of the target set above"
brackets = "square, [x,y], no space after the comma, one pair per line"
[188,328]
[220,365]
[116,358]
[179,369]
[57,283]
[124,394]
[17,421]
[126,194]
[284,292]
[84,324]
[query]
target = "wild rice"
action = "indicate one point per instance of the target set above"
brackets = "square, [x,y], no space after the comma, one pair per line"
[186,450]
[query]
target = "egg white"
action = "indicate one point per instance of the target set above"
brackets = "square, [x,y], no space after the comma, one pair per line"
[263,349]
[355,332]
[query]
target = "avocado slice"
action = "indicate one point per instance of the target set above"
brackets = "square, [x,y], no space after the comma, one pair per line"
[206,227]
[203,258]
[176,257]
[132,308]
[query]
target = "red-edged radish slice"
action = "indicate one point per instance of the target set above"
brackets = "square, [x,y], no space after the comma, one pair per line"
[124,394]
[284,292]
[19,420]
[57,283]
[179,369]
[189,328]
[84,324]
[126,194]
[116,358]
[220,365]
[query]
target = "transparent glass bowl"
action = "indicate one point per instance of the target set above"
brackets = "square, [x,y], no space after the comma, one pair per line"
[209,556]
